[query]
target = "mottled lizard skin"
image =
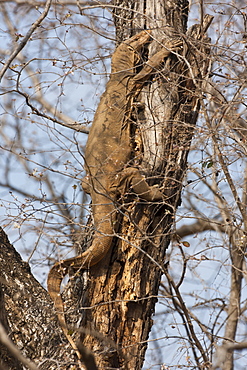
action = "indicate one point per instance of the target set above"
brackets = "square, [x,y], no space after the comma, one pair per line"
[108,155]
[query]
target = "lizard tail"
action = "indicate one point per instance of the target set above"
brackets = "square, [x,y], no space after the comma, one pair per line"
[100,246]
[54,281]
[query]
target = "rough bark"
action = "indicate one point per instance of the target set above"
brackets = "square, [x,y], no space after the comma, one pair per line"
[28,316]
[122,290]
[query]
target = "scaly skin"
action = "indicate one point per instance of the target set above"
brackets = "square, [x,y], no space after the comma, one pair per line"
[107,156]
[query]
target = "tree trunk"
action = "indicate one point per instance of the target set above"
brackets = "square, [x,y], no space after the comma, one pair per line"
[122,290]
[27,315]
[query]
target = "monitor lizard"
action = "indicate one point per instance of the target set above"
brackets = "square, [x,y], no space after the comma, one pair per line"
[108,157]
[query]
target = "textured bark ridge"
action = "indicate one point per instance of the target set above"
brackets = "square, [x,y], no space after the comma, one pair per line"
[110,173]
[27,316]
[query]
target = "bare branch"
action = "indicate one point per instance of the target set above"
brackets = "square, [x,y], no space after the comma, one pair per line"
[25,38]
[72,125]
[199,226]
[223,351]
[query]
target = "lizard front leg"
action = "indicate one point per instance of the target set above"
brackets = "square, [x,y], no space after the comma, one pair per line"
[155,61]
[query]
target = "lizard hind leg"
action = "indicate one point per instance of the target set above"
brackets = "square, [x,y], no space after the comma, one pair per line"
[132,178]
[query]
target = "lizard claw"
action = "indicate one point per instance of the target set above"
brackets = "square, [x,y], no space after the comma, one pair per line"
[173,44]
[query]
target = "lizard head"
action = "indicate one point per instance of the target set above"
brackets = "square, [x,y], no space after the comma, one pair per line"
[128,54]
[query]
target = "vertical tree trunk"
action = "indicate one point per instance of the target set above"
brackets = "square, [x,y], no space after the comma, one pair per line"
[123,289]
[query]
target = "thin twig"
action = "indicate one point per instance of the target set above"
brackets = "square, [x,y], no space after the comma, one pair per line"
[74,126]
[188,321]
[21,45]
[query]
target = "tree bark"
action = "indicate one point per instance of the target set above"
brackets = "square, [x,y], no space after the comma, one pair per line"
[122,290]
[119,300]
[28,316]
